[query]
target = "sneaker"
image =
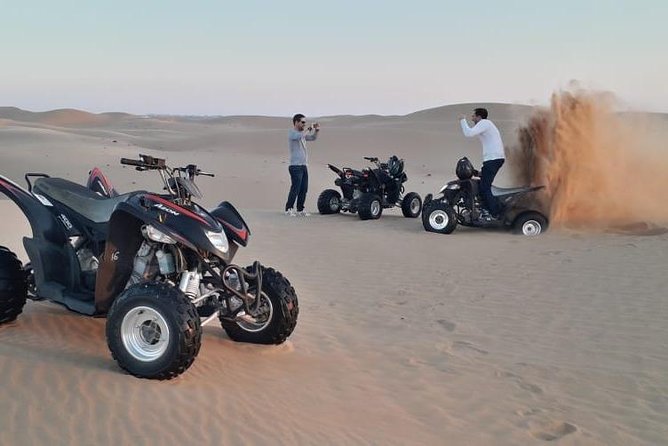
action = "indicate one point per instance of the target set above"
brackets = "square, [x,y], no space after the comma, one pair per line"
[303,214]
[291,212]
[486,216]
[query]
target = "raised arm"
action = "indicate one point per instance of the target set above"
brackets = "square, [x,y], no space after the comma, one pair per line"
[311,136]
[470,132]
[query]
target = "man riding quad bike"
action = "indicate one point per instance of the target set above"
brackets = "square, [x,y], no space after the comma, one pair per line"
[459,203]
[370,190]
[157,266]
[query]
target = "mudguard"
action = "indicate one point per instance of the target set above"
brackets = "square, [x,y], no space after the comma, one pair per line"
[233,224]
[42,222]
[53,260]
[335,169]
[123,240]
[98,182]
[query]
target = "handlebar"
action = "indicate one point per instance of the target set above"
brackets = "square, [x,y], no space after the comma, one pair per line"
[373,159]
[145,162]
[192,169]
[131,162]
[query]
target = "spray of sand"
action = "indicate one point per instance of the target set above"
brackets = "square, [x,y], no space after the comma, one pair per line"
[601,169]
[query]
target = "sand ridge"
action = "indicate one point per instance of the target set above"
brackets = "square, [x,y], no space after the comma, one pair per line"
[404,337]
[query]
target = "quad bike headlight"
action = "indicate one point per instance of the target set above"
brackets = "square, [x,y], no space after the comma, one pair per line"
[218,240]
[153,234]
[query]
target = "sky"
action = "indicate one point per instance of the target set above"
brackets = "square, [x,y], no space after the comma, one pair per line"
[256,57]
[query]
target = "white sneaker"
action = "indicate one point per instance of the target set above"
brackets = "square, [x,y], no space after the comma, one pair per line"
[291,212]
[303,214]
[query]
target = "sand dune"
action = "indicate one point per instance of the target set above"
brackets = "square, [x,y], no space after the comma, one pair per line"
[404,337]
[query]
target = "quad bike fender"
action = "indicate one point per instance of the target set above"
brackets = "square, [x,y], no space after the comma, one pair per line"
[234,225]
[98,182]
[116,264]
[518,204]
[335,169]
[50,253]
[42,222]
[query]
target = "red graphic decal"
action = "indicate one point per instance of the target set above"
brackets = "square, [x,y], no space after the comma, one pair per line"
[178,208]
[243,233]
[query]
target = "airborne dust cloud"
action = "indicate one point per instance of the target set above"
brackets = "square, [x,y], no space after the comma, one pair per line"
[602,169]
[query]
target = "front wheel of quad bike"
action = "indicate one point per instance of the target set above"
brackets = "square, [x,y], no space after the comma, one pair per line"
[439,217]
[530,224]
[370,207]
[276,316]
[153,331]
[329,202]
[13,286]
[411,205]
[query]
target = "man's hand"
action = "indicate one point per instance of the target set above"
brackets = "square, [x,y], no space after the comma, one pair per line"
[316,126]
[462,117]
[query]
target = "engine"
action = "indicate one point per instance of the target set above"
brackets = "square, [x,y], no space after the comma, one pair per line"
[153,259]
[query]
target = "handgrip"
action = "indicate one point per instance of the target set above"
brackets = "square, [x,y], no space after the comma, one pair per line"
[131,162]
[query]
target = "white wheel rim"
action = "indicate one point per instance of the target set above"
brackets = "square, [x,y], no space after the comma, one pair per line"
[375,208]
[531,228]
[267,310]
[145,334]
[334,203]
[439,219]
[415,205]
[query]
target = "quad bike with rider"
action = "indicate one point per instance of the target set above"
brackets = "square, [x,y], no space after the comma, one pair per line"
[157,266]
[459,202]
[370,190]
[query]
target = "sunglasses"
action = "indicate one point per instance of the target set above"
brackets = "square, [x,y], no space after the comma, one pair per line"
[302,122]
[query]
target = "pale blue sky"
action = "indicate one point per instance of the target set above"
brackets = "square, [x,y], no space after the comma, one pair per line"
[325,57]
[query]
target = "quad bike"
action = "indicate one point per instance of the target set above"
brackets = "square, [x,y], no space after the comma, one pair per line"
[370,190]
[459,203]
[158,266]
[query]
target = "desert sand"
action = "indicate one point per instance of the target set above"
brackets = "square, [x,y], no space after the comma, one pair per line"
[404,337]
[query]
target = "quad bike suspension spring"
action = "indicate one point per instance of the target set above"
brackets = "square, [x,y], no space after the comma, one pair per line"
[190,283]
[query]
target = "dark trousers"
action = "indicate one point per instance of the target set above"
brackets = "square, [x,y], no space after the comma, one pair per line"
[489,170]
[299,187]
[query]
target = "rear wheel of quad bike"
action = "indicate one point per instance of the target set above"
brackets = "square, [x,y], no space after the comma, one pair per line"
[276,317]
[329,202]
[439,217]
[153,331]
[530,224]
[13,286]
[411,205]
[370,207]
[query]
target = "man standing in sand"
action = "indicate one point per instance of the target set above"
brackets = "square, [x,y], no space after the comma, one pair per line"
[493,157]
[298,158]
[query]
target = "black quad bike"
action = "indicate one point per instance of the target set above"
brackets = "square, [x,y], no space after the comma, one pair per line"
[459,203]
[158,266]
[370,190]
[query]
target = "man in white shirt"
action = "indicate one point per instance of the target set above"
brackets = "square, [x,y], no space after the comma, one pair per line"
[493,155]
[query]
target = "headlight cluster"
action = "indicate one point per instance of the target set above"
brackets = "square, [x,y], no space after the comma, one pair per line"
[157,236]
[218,240]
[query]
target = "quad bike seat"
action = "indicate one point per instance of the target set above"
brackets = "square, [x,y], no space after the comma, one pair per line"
[79,198]
[500,191]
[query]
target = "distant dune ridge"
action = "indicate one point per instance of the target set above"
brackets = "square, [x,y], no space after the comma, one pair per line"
[405,337]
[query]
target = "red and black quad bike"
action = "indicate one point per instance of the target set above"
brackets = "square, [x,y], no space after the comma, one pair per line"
[370,190]
[458,202]
[158,266]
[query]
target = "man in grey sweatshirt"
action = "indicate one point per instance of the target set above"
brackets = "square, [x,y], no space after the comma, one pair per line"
[298,161]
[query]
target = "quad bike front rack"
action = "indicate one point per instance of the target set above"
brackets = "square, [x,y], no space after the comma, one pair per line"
[251,302]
